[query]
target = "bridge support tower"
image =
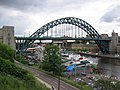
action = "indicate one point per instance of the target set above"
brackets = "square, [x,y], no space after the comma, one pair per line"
[113,43]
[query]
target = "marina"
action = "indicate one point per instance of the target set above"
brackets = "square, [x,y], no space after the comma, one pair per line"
[90,68]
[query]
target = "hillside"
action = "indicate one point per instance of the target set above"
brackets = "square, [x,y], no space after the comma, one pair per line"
[8,82]
[13,77]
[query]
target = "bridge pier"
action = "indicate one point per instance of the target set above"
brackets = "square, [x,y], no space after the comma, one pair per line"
[64,45]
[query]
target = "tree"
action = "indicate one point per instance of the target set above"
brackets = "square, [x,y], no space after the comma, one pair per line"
[107,84]
[52,60]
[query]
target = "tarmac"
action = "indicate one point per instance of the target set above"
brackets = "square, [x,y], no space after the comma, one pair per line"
[46,84]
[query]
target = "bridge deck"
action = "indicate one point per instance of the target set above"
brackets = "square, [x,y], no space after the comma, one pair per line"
[58,38]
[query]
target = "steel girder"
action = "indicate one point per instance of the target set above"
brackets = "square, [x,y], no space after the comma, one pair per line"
[74,21]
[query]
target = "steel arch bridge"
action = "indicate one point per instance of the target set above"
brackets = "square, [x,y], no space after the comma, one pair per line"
[102,44]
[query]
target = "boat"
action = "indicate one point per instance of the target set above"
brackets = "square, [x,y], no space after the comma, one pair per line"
[76,59]
[73,57]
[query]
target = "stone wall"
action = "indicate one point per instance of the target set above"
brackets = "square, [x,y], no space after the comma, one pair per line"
[1,36]
[118,49]
[90,47]
[7,36]
[113,43]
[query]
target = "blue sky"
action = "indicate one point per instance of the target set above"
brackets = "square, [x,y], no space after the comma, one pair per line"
[27,16]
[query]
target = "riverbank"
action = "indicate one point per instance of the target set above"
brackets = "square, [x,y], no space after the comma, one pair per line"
[100,55]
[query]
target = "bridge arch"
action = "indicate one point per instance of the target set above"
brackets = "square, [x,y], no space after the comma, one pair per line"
[103,46]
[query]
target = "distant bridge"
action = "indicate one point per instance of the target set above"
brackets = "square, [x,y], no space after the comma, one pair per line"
[68,28]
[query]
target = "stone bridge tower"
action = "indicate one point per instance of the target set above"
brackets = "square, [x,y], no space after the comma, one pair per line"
[113,43]
[7,36]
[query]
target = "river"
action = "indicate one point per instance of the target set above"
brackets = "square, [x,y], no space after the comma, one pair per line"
[109,67]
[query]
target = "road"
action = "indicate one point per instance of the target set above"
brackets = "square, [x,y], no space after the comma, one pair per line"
[52,81]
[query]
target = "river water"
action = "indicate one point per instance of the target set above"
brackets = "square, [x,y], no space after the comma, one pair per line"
[109,67]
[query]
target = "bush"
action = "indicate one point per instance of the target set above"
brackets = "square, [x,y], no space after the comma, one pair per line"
[11,83]
[20,59]
[8,67]
[107,84]
[13,77]
[7,52]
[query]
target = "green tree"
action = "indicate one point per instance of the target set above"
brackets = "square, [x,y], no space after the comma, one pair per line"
[6,52]
[52,60]
[107,84]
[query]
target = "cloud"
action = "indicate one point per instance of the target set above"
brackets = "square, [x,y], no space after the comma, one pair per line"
[22,14]
[42,5]
[112,15]
[64,5]
[10,17]
[26,5]
[29,15]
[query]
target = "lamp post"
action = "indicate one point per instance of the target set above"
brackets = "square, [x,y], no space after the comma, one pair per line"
[88,45]
[75,67]
[58,82]
[59,73]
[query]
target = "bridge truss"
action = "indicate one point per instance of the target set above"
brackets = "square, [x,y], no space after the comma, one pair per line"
[68,27]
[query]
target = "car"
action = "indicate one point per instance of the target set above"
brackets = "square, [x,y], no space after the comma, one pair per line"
[77,79]
[31,63]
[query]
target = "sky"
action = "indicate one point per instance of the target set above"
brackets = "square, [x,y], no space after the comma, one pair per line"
[27,16]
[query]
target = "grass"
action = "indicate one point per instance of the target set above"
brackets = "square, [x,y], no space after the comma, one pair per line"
[8,82]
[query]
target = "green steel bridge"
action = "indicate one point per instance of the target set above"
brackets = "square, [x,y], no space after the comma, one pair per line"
[68,28]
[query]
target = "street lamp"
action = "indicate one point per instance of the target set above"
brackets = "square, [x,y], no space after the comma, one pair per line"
[75,67]
[88,45]
[59,82]
[59,73]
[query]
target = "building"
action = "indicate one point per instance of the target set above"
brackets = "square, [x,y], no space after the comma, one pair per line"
[7,36]
[104,36]
[35,54]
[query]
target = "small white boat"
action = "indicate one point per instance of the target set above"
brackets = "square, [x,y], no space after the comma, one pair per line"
[73,56]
